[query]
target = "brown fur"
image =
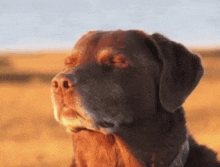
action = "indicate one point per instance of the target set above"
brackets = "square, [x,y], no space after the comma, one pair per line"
[101,150]
[72,60]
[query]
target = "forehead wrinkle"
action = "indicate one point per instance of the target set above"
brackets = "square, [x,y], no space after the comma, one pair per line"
[92,43]
[106,52]
[87,46]
[114,39]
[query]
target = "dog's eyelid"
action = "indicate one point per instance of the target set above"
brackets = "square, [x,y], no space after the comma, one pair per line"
[114,60]
[70,61]
[121,61]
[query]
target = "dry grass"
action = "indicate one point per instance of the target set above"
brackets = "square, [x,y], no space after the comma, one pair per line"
[203,113]
[36,62]
[29,135]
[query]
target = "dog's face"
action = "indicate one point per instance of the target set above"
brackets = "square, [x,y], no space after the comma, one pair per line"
[118,78]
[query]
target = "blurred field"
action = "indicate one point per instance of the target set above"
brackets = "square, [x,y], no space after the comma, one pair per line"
[29,135]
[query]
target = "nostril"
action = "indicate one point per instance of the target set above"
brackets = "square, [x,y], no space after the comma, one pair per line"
[66,85]
[55,84]
[63,82]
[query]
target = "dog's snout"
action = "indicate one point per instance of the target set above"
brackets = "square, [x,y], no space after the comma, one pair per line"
[63,82]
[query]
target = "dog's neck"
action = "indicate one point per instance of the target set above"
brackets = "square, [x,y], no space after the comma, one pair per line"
[92,149]
[156,159]
[152,144]
[96,149]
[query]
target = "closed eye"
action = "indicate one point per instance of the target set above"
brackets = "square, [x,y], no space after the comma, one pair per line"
[70,62]
[108,58]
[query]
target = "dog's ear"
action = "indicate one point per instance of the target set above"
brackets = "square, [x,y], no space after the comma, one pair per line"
[182,71]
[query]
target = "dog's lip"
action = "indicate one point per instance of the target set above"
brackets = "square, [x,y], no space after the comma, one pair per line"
[78,129]
[105,124]
[68,111]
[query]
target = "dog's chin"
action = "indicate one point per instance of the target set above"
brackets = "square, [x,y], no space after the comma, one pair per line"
[75,122]
[72,120]
[75,125]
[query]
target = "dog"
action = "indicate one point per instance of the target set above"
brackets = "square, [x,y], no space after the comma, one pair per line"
[120,96]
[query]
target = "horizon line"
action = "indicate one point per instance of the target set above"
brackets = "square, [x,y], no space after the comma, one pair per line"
[69,49]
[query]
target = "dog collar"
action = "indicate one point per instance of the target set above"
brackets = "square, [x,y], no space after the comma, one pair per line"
[181,156]
[179,161]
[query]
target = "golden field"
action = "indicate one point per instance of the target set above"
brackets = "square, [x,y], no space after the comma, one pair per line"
[29,135]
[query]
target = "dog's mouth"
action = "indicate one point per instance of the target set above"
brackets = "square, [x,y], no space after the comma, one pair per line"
[73,120]
[76,118]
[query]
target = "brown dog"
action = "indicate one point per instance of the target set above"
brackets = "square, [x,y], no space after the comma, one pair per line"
[121,96]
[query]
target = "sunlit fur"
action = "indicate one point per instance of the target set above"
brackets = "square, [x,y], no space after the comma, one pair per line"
[70,121]
[110,57]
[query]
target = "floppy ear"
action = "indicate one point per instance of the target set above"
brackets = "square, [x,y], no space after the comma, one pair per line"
[182,71]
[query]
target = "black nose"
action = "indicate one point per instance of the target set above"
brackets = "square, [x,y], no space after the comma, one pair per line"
[63,82]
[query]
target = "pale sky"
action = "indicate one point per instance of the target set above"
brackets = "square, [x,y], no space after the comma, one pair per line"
[34,24]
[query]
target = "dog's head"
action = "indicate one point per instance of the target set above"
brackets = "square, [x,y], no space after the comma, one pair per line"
[118,78]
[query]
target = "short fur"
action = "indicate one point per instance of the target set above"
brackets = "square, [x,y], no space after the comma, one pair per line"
[121,97]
